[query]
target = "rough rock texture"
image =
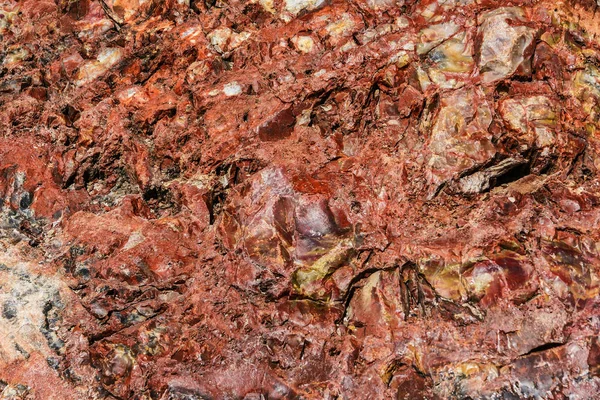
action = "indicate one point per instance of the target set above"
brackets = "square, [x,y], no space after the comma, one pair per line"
[299,199]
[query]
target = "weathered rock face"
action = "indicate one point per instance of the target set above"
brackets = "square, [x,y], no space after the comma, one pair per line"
[299,199]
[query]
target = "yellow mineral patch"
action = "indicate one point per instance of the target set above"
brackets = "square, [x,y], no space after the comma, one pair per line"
[324,265]
[434,35]
[304,44]
[340,27]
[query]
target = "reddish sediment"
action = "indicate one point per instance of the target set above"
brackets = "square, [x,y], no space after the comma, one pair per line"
[299,199]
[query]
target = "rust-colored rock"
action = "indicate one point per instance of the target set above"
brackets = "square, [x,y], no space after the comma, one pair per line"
[299,199]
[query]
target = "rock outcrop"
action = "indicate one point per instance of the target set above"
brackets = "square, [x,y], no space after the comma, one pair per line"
[299,199]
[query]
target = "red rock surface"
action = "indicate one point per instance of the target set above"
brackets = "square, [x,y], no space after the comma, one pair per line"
[299,199]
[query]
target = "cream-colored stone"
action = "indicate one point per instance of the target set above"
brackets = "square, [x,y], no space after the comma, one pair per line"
[105,60]
[295,6]
[304,44]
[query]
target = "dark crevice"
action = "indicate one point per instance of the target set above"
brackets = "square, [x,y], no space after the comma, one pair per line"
[354,286]
[512,175]
[214,202]
[542,348]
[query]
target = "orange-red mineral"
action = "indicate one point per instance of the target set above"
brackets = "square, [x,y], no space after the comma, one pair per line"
[299,199]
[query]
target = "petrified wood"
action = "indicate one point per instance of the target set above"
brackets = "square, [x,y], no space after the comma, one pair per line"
[299,199]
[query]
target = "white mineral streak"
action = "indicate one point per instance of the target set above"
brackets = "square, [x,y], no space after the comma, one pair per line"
[503,43]
[232,89]
[295,6]
[224,39]
[23,299]
[91,70]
